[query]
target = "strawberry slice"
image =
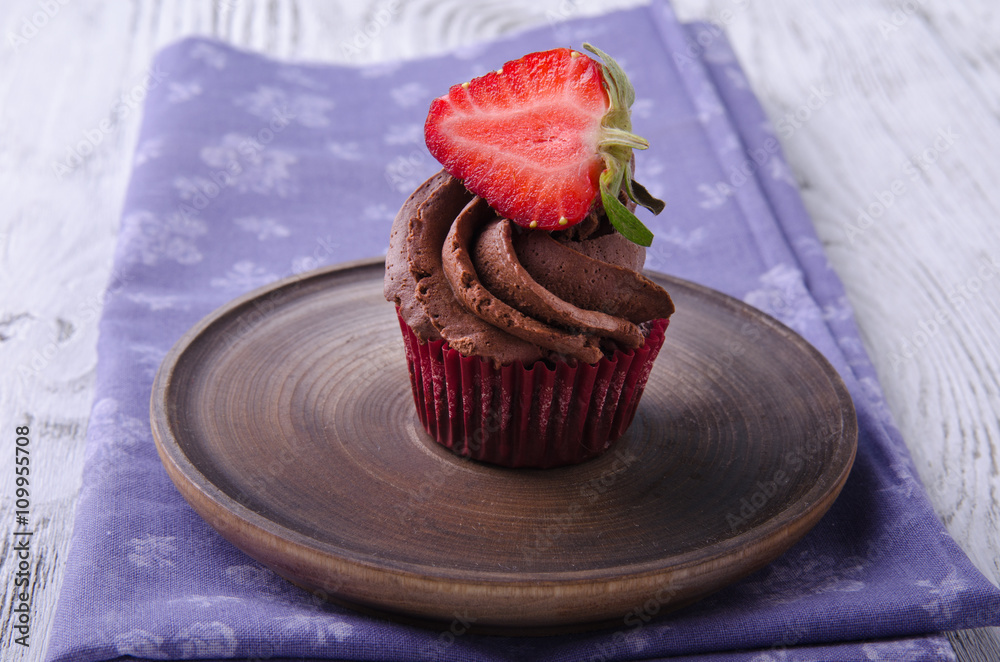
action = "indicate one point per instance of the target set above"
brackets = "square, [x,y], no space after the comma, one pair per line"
[543,138]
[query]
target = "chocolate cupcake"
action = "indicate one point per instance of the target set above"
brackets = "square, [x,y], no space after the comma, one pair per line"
[529,337]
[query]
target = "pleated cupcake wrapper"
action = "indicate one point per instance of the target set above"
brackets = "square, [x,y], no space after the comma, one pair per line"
[527,417]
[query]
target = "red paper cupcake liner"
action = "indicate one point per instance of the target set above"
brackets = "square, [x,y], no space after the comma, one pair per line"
[517,416]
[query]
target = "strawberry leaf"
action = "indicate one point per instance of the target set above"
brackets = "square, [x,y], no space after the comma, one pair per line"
[621,218]
[625,221]
[640,195]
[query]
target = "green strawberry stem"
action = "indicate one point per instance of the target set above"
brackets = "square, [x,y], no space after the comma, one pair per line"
[612,136]
[615,145]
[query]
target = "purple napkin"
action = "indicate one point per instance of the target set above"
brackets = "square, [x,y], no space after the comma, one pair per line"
[248,170]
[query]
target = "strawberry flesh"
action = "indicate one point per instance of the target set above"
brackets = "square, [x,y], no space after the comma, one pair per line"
[526,138]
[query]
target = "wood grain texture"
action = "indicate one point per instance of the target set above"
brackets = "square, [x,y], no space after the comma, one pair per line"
[976,645]
[893,91]
[675,510]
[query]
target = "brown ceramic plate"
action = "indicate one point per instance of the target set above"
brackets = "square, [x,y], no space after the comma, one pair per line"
[286,420]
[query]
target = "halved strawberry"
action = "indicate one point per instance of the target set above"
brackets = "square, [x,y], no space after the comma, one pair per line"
[543,138]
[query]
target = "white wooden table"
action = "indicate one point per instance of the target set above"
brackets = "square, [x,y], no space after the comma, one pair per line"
[909,135]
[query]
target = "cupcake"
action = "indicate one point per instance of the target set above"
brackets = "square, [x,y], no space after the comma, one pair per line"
[528,327]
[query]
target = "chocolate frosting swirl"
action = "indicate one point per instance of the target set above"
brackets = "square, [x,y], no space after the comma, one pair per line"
[458,271]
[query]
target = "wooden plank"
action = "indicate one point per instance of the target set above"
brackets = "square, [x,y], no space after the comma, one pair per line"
[981,645]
